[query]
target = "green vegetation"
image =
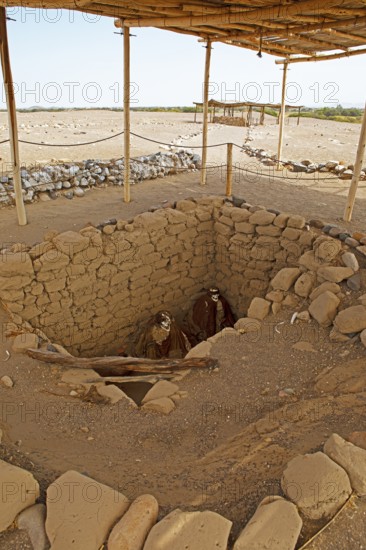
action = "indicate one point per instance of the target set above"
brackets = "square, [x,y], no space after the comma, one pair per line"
[338,114]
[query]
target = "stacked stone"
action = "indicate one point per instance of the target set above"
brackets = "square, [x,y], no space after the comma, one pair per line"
[339,168]
[71,179]
[252,245]
[230,121]
[89,290]
[69,516]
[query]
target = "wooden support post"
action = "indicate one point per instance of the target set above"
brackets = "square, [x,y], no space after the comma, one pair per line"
[356,172]
[261,122]
[12,116]
[195,114]
[229,170]
[205,112]
[298,116]
[126,113]
[282,115]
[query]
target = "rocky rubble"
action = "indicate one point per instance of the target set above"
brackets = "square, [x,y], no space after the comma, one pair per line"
[72,179]
[82,513]
[306,166]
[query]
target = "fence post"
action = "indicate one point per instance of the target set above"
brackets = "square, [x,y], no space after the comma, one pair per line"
[229,170]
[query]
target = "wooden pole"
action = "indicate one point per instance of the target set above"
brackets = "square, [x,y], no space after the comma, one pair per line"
[12,116]
[356,172]
[298,116]
[282,115]
[126,112]
[195,114]
[205,113]
[229,170]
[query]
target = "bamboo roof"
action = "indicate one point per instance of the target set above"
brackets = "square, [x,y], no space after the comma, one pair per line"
[233,105]
[277,27]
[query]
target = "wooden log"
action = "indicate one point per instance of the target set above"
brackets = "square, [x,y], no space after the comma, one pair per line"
[12,117]
[229,170]
[291,60]
[316,27]
[122,365]
[126,113]
[282,116]
[151,379]
[356,171]
[205,112]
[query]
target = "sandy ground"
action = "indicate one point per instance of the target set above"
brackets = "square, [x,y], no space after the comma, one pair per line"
[210,452]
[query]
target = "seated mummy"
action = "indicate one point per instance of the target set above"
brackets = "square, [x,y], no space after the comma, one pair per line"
[210,314]
[161,337]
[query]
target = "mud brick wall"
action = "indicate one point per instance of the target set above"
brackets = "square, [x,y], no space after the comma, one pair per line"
[252,246]
[89,290]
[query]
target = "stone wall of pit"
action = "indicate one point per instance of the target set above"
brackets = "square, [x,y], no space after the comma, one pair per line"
[89,290]
[252,245]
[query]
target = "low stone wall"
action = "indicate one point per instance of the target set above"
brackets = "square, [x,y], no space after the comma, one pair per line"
[72,179]
[230,121]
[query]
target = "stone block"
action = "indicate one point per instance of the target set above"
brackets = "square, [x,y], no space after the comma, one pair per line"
[316,484]
[259,308]
[350,458]
[324,308]
[285,278]
[81,512]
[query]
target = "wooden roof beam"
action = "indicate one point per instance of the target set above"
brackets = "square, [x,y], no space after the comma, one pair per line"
[245,41]
[246,16]
[346,35]
[321,27]
[350,53]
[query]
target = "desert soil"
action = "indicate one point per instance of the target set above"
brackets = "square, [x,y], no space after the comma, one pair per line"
[226,445]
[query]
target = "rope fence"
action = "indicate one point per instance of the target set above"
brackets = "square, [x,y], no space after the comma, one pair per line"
[230,166]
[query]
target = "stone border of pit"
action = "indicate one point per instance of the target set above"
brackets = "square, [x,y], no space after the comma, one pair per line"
[342,464]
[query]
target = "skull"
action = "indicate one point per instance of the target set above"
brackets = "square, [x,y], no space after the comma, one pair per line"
[215,294]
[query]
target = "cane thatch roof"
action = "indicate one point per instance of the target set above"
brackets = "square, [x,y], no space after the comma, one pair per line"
[278,27]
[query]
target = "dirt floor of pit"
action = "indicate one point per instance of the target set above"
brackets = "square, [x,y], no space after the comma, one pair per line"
[225,446]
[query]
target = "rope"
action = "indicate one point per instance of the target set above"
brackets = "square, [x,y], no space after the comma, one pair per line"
[329,522]
[188,146]
[172,145]
[280,177]
[65,144]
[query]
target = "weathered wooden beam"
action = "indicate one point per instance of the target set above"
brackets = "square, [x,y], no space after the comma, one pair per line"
[122,365]
[282,115]
[291,60]
[347,35]
[12,117]
[126,114]
[206,82]
[356,171]
[319,27]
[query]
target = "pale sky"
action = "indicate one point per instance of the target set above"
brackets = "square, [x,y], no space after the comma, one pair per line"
[68,59]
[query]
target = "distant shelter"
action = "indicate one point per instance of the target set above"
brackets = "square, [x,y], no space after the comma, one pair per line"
[242,113]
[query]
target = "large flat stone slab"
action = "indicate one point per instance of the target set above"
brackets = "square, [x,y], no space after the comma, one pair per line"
[190,530]
[276,524]
[316,484]
[351,458]
[19,490]
[81,512]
